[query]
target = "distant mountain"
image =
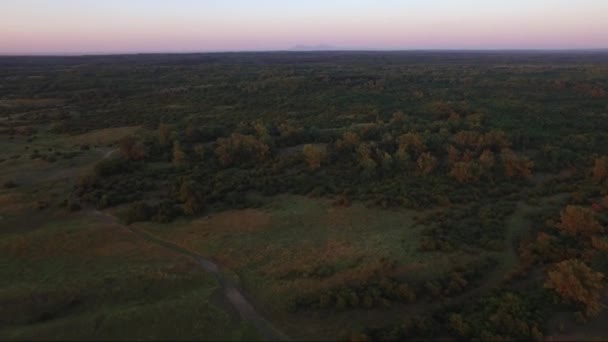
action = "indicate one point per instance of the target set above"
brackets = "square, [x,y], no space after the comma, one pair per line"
[320,47]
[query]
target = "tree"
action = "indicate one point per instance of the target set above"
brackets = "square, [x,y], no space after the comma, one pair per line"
[179,156]
[349,141]
[138,211]
[487,160]
[475,120]
[164,134]
[192,133]
[515,166]
[579,221]
[473,139]
[200,150]
[426,163]
[453,155]
[409,142]
[261,131]
[458,324]
[600,169]
[132,149]
[314,156]
[398,117]
[191,194]
[575,282]
[386,160]
[467,138]
[365,158]
[497,139]
[288,132]
[465,172]
[240,148]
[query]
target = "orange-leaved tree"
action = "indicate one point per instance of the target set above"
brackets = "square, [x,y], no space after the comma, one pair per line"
[426,163]
[465,172]
[576,283]
[580,221]
[600,169]
[349,141]
[516,166]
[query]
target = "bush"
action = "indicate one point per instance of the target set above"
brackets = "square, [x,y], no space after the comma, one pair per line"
[109,167]
[138,211]
[166,212]
[73,204]
[103,202]
[10,184]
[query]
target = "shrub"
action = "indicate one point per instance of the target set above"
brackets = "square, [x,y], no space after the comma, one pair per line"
[138,211]
[166,212]
[73,204]
[10,184]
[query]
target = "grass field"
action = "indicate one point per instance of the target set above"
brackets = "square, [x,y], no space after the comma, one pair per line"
[66,276]
[294,245]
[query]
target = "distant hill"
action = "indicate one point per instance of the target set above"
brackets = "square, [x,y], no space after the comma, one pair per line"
[320,47]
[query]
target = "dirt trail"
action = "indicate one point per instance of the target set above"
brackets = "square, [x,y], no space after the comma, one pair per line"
[109,154]
[230,288]
[516,223]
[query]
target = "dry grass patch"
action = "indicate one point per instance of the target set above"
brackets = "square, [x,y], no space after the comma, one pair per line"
[13,202]
[106,136]
[235,221]
[31,102]
[306,259]
[83,239]
[195,233]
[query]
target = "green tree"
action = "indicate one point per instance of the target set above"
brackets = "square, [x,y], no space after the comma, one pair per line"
[191,194]
[164,134]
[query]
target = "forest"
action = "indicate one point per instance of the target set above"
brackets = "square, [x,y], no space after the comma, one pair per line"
[339,195]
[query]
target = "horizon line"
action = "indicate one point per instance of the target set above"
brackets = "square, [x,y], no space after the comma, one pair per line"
[292,50]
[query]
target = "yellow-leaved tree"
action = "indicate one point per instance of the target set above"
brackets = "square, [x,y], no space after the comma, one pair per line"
[314,156]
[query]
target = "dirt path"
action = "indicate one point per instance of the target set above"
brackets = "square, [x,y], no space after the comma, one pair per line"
[109,154]
[516,223]
[230,288]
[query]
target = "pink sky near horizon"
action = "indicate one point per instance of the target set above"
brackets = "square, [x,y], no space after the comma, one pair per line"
[64,26]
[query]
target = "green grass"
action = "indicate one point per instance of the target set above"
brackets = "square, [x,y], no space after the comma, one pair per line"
[76,279]
[299,235]
[65,276]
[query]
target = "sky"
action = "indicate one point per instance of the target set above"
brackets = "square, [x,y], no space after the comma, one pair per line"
[132,26]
